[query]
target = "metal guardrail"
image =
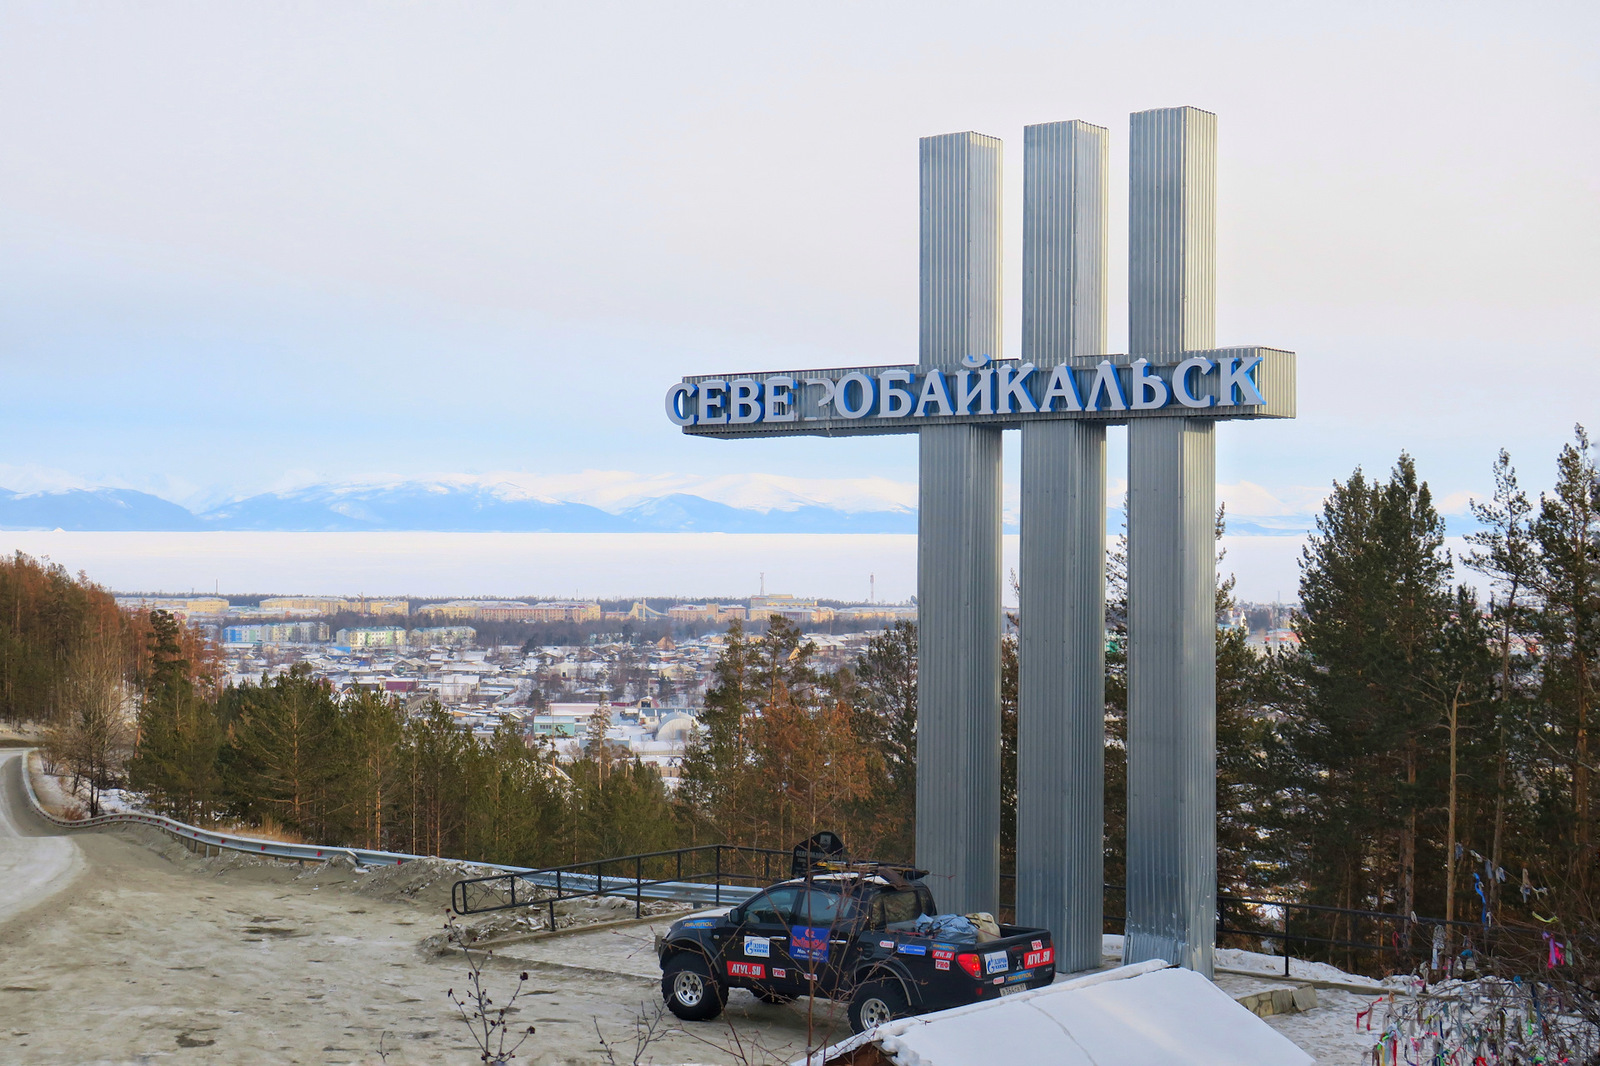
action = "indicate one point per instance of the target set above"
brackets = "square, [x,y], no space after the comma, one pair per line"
[665,879]
[196,839]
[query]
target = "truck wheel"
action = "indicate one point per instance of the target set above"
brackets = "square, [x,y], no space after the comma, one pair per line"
[874,1003]
[774,997]
[690,990]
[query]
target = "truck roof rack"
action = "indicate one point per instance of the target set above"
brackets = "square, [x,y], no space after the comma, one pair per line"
[900,875]
[825,851]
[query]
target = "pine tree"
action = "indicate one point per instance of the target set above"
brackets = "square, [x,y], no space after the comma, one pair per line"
[882,692]
[369,732]
[517,803]
[285,753]
[1505,551]
[885,676]
[716,759]
[1375,601]
[1567,531]
[1244,785]
[434,755]
[177,736]
[721,782]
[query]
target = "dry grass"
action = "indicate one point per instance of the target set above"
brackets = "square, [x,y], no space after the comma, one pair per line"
[269,829]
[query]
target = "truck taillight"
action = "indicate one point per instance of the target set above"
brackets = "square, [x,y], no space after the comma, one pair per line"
[971,963]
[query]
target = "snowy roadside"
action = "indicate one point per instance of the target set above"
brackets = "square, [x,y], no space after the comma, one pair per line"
[55,793]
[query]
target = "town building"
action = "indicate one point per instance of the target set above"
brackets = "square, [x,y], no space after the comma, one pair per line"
[338,605]
[715,613]
[513,611]
[277,633]
[881,613]
[797,610]
[183,607]
[371,637]
[443,637]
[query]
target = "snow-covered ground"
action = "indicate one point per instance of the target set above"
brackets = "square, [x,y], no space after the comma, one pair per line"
[1256,962]
[57,794]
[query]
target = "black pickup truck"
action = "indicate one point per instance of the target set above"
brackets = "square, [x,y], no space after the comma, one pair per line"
[846,934]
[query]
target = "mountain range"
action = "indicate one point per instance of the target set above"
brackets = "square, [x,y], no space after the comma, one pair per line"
[441,507]
[465,506]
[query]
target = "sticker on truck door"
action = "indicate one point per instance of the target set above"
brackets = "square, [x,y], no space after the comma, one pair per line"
[808,943]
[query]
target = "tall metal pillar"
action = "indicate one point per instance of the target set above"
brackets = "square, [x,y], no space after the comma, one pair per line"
[1172,853]
[1061,690]
[958,534]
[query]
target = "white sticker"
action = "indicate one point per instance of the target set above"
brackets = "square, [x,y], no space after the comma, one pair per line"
[779,973]
[759,947]
[994,962]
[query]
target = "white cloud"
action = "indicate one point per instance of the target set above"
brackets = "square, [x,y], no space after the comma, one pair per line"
[30,477]
[1247,499]
[1456,502]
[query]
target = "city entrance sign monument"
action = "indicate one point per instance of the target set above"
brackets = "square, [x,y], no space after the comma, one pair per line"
[1170,391]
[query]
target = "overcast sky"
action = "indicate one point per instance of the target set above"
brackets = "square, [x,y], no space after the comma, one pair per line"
[246,246]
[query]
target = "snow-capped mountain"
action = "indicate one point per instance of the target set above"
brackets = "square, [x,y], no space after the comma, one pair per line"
[477,505]
[93,509]
[586,502]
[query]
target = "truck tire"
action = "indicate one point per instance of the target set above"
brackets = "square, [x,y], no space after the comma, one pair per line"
[690,990]
[876,1002]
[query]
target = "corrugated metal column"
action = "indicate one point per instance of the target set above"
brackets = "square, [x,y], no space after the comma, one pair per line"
[958,535]
[1061,691]
[1172,853]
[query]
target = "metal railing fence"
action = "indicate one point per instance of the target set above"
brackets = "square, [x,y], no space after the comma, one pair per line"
[706,873]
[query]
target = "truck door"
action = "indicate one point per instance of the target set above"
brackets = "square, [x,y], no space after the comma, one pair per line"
[819,937]
[759,951]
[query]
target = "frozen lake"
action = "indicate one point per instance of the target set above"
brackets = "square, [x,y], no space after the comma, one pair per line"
[697,565]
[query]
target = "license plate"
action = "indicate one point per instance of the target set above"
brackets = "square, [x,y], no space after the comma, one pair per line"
[1011,990]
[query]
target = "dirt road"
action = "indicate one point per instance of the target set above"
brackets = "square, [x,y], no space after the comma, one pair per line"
[121,947]
[33,865]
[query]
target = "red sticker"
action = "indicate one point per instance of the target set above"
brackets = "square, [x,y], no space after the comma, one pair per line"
[747,969]
[1037,944]
[941,964]
[1039,958]
[940,953]
[780,973]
